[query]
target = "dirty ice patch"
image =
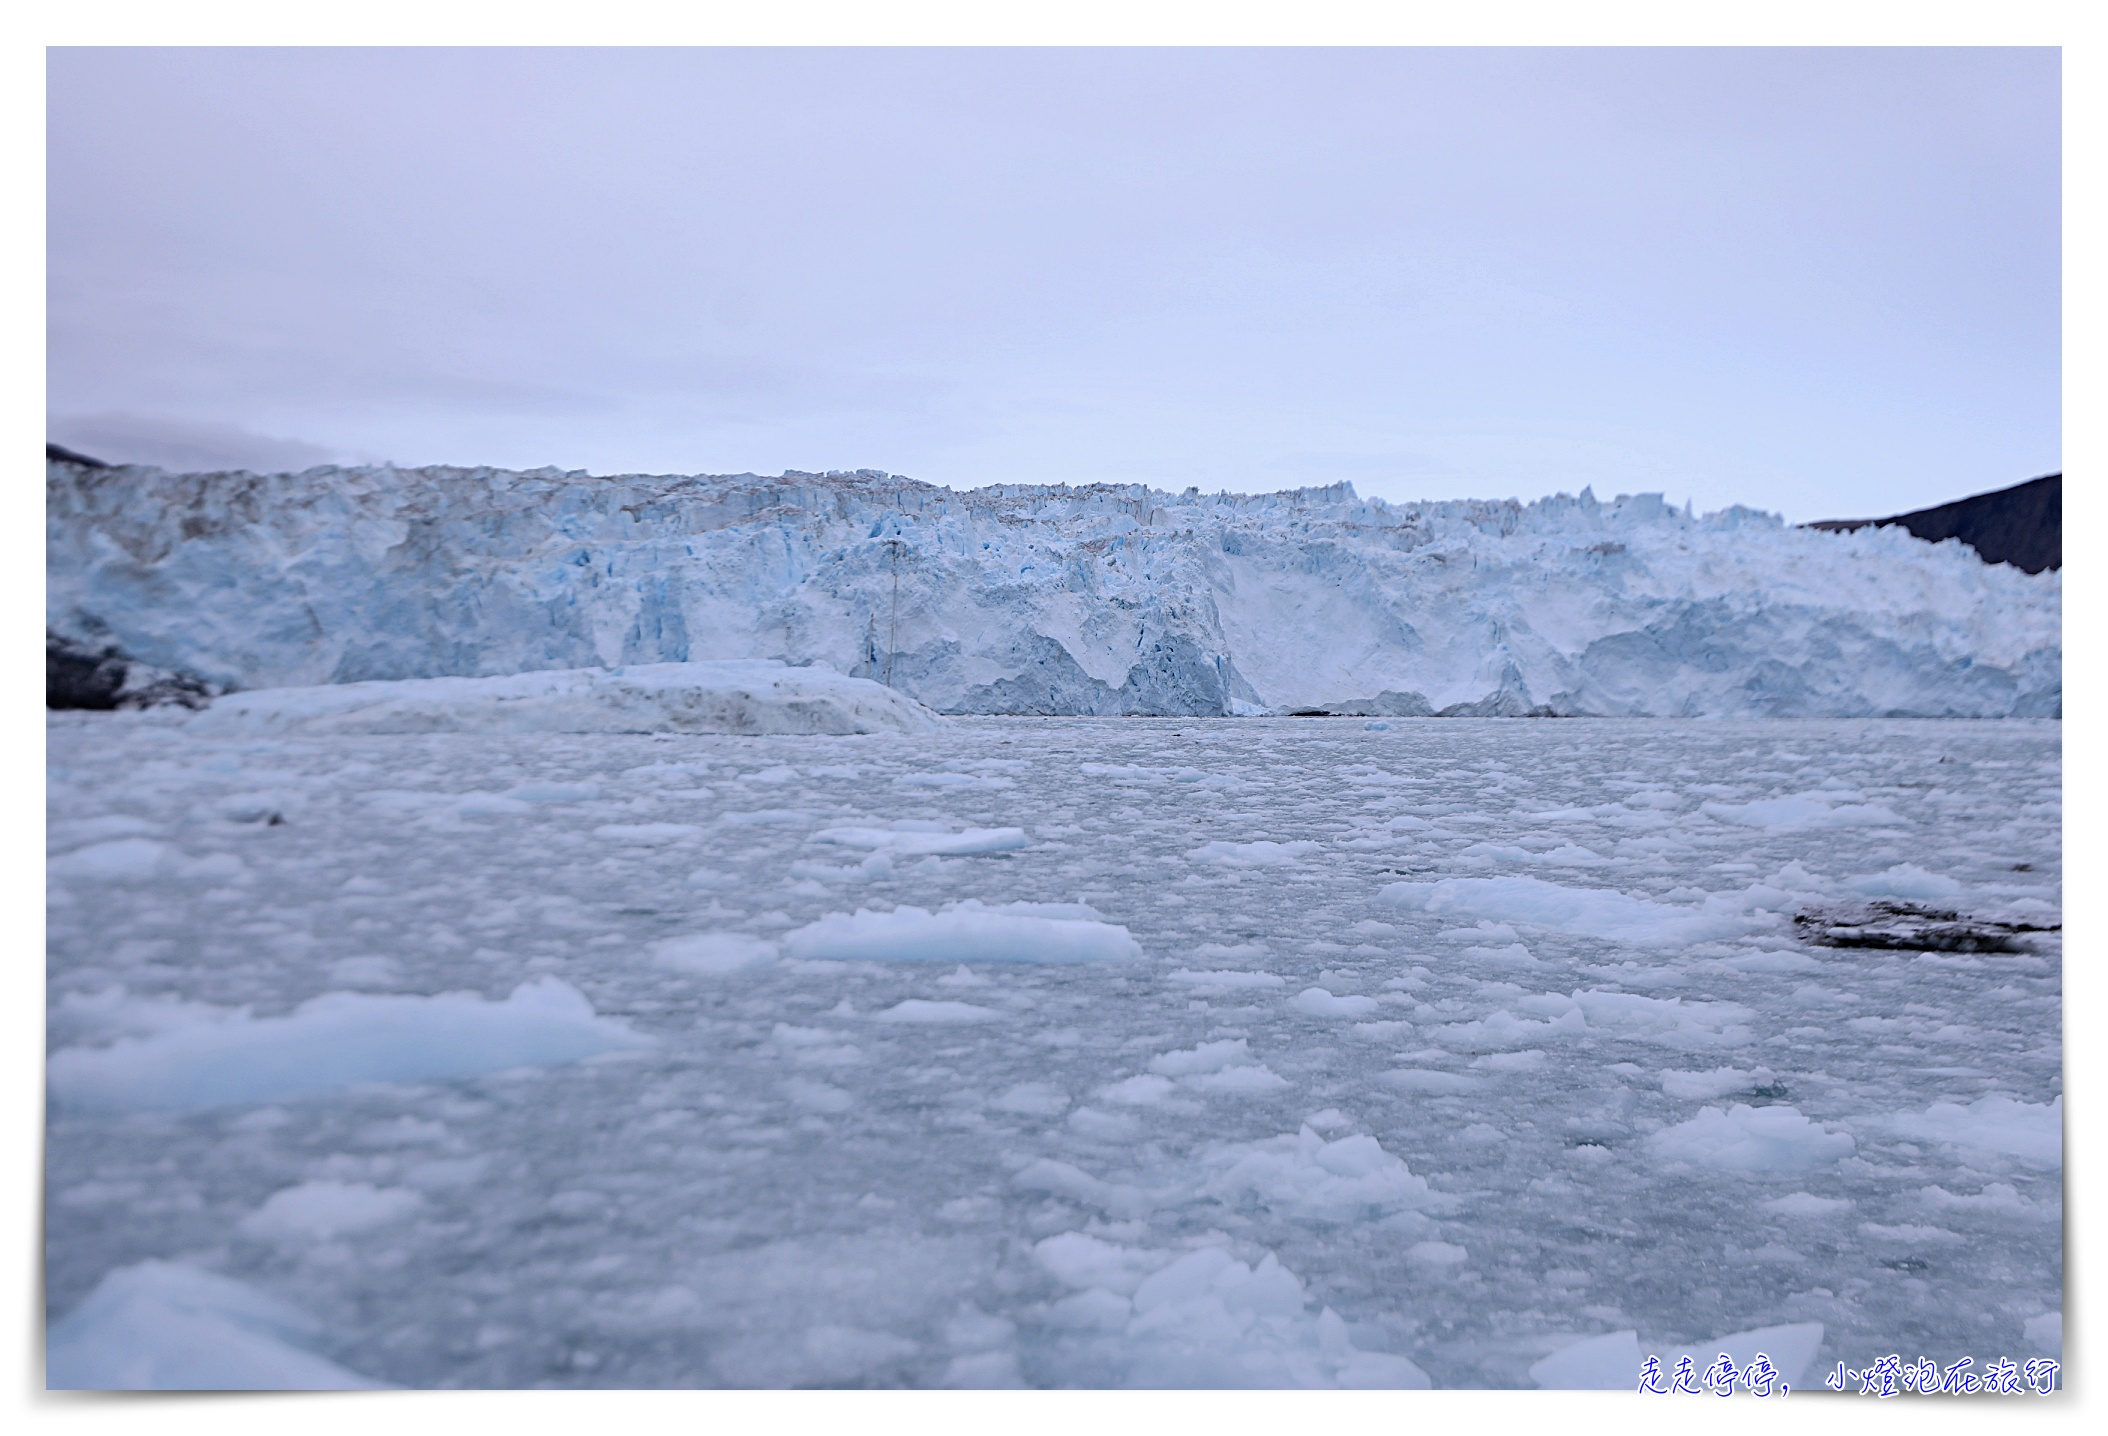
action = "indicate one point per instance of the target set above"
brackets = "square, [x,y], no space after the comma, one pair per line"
[1201,1320]
[913,838]
[1588,912]
[737,696]
[1805,810]
[2032,1132]
[1756,1141]
[966,932]
[167,1326]
[334,1041]
[1262,854]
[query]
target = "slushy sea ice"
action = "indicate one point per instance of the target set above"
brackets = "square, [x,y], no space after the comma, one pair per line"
[530,1060]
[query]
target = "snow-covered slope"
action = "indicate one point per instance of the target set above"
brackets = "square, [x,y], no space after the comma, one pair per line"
[1016,599]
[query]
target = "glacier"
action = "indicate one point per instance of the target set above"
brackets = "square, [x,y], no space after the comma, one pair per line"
[1046,600]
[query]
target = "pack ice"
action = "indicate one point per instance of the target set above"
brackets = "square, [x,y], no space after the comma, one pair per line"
[1046,600]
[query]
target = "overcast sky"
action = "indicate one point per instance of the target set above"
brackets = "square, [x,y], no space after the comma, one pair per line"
[1820,282]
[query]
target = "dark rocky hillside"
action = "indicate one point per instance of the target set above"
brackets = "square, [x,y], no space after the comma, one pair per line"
[2022,526]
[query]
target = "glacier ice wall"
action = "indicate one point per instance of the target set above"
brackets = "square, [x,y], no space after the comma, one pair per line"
[1016,599]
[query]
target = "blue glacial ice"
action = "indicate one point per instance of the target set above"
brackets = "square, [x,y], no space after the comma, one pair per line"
[1051,600]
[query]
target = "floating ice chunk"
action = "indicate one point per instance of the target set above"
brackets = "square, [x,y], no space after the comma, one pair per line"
[916,842]
[60,836]
[1906,880]
[953,781]
[1421,1079]
[1720,1082]
[737,696]
[1207,1057]
[131,860]
[2045,1332]
[1789,1348]
[323,1211]
[1590,912]
[1483,932]
[1512,954]
[1304,1176]
[165,1326]
[1034,1099]
[817,1096]
[1610,1362]
[1528,1060]
[965,932]
[648,832]
[1146,1090]
[1436,1254]
[334,1041]
[1567,855]
[1503,1029]
[1806,810]
[1082,1261]
[713,953]
[1206,978]
[1996,1199]
[1317,1002]
[1226,1068]
[1772,962]
[1239,1081]
[553,793]
[1752,1140]
[917,1009]
[2033,1132]
[1202,1320]
[1912,1234]
[1262,854]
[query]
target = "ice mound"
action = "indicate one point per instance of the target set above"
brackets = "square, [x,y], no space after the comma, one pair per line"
[913,838]
[334,1041]
[1138,1318]
[1014,599]
[1305,1176]
[1588,912]
[1752,1140]
[2033,1132]
[750,696]
[166,1326]
[966,932]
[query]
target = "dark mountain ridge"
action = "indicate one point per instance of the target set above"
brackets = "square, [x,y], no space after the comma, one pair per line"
[2022,525]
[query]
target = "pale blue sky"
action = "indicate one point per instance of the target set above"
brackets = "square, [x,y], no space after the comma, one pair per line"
[1820,282]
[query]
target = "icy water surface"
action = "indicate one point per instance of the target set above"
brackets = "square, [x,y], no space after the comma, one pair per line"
[1576,1075]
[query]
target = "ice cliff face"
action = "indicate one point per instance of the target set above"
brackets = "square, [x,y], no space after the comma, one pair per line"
[1015,599]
